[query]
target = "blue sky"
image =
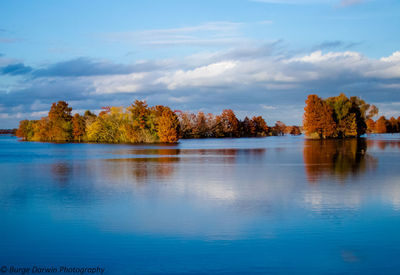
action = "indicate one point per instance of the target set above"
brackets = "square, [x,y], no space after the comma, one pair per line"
[256,57]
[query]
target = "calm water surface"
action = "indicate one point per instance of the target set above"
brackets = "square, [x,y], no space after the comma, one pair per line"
[268,205]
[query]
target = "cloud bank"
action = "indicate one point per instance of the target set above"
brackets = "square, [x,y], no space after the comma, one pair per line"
[246,79]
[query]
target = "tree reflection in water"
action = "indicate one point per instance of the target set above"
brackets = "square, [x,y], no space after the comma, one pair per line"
[61,172]
[142,168]
[336,158]
[141,165]
[384,144]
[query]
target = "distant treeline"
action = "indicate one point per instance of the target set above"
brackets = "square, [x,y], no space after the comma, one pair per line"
[337,117]
[8,131]
[142,124]
[227,124]
[382,125]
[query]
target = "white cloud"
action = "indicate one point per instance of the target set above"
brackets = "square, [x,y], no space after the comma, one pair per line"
[119,83]
[210,33]
[319,57]
[210,75]
[267,72]
[395,57]
[268,107]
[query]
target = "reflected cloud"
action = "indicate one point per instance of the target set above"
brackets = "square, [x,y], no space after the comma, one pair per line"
[181,190]
[327,203]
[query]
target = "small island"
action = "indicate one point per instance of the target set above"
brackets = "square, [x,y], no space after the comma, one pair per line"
[343,117]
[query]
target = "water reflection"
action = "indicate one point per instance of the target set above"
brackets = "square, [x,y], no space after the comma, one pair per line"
[62,172]
[384,144]
[152,163]
[338,158]
[235,206]
[142,168]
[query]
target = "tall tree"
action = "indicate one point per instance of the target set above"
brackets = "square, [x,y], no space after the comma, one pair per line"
[78,127]
[381,125]
[25,130]
[259,127]
[168,126]
[229,123]
[370,126]
[60,126]
[318,118]
[279,128]
[393,125]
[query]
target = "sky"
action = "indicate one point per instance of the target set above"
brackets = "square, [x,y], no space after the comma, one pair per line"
[257,57]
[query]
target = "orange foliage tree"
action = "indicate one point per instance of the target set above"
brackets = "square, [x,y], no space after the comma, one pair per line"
[381,125]
[78,127]
[318,121]
[258,127]
[168,126]
[370,125]
[229,123]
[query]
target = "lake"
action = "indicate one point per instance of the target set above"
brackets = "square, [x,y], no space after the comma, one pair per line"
[220,206]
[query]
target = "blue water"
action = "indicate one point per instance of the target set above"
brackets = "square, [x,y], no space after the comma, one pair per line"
[221,206]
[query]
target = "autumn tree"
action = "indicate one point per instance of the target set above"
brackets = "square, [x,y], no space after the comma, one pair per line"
[60,111]
[346,121]
[89,117]
[41,129]
[168,126]
[381,125]
[246,127]
[107,127]
[229,123]
[200,126]
[185,124]
[105,110]
[393,125]
[293,130]
[360,110]
[398,123]
[210,125]
[25,130]
[370,125]
[78,127]
[258,127]
[60,126]
[141,114]
[143,127]
[279,128]
[318,118]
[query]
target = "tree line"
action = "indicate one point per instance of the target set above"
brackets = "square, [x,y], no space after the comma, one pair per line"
[8,131]
[140,123]
[227,124]
[383,125]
